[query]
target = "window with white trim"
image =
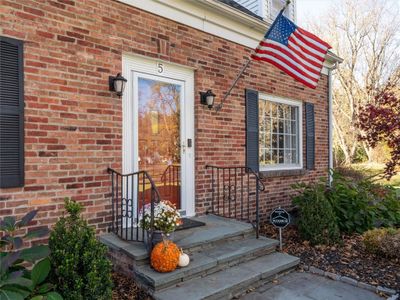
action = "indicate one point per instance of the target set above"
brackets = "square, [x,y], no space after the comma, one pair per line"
[280,133]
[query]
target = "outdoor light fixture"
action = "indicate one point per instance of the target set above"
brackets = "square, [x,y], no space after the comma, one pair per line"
[117,84]
[207,98]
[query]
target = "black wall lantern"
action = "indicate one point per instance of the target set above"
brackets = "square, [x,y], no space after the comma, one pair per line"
[117,84]
[207,98]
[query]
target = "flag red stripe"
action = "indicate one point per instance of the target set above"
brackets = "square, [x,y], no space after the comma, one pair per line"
[306,47]
[306,71]
[293,66]
[309,44]
[299,52]
[292,40]
[294,52]
[286,71]
[288,52]
[314,37]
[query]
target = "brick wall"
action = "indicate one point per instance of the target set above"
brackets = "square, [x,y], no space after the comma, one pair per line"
[73,124]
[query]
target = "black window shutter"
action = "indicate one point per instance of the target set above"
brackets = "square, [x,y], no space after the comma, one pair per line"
[252,147]
[310,136]
[11,113]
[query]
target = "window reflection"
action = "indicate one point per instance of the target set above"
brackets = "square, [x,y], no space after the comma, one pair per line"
[159,135]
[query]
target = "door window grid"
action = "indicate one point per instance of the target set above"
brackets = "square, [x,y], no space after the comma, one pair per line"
[279,133]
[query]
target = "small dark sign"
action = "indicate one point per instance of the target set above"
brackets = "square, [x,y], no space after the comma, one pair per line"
[280,218]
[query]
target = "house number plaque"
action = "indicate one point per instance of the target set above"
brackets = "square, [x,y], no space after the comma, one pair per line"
[160,68]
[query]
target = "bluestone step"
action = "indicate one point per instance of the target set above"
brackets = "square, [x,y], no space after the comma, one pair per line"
[216,231]
[207,261]
[227,283]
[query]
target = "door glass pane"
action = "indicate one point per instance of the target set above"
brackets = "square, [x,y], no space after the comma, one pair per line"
[159,136]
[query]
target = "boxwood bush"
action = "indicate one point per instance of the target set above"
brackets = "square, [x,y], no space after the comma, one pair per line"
[317,222]
[81,269]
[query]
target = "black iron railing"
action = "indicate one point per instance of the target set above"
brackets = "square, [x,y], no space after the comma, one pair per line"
[130,194]
[235,194]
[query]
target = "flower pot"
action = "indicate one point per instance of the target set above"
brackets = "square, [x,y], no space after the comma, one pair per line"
[153,238]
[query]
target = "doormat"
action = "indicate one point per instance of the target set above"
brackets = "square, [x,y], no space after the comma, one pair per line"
[189,223]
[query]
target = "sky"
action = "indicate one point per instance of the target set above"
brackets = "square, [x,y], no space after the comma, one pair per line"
[309,9]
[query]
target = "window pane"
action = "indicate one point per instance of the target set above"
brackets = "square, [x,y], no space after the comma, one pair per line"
[274,125]
[268,126]
[281,161]
[267,140]
[267,108]
[294,113]
[287,126]
[294,157]
[287,142]
[281,141]
[294,130]
[261,107]
[286,112]
[267,156]
[278,133]
[274,158]
[262,157]
[274,141]
[274,113]
[288,157]
[294,142]
[280,110]
[280,125]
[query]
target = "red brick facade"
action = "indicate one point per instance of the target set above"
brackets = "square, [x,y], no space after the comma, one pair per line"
[73,124]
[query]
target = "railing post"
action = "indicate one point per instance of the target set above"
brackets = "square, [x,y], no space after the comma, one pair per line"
[257,210]
[112,202]
[152,211]
[213,188]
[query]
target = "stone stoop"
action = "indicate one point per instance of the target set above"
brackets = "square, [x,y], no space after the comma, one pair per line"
[226,260]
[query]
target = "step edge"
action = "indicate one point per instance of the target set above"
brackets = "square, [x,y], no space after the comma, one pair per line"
[266,249]
[187,247]
[294,261]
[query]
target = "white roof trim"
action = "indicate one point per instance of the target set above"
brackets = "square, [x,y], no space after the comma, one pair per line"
[216,18]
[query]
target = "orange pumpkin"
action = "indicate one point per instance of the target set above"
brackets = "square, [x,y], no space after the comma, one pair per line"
[165,256]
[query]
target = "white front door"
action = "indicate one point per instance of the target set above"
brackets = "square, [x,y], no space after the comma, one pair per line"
[158,131]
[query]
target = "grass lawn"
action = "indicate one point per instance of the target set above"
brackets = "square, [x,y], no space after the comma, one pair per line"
[375,168]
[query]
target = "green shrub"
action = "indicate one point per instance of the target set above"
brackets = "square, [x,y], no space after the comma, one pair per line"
[317,222]
[23,272]
[362,205]
[81,269]
[388,206]
[353,204]
[383,242]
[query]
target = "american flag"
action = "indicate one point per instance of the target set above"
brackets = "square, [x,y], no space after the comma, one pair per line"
[297,52]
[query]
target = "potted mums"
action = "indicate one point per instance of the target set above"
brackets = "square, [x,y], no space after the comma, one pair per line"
[166,219]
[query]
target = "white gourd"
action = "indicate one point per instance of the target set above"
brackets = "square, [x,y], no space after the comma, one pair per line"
[183,259]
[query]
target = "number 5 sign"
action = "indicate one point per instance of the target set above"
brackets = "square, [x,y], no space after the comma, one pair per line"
[160,68]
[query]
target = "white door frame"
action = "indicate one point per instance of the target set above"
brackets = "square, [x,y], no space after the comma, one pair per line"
[132,66]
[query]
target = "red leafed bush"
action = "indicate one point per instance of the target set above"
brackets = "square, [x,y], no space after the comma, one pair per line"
[380,122]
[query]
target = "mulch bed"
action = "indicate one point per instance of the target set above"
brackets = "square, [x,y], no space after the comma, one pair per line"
[125,288]
[348,259]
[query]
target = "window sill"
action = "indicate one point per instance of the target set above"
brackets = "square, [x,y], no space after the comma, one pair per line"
[282,173]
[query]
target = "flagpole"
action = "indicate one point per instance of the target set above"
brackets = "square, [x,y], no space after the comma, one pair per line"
[245,66]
